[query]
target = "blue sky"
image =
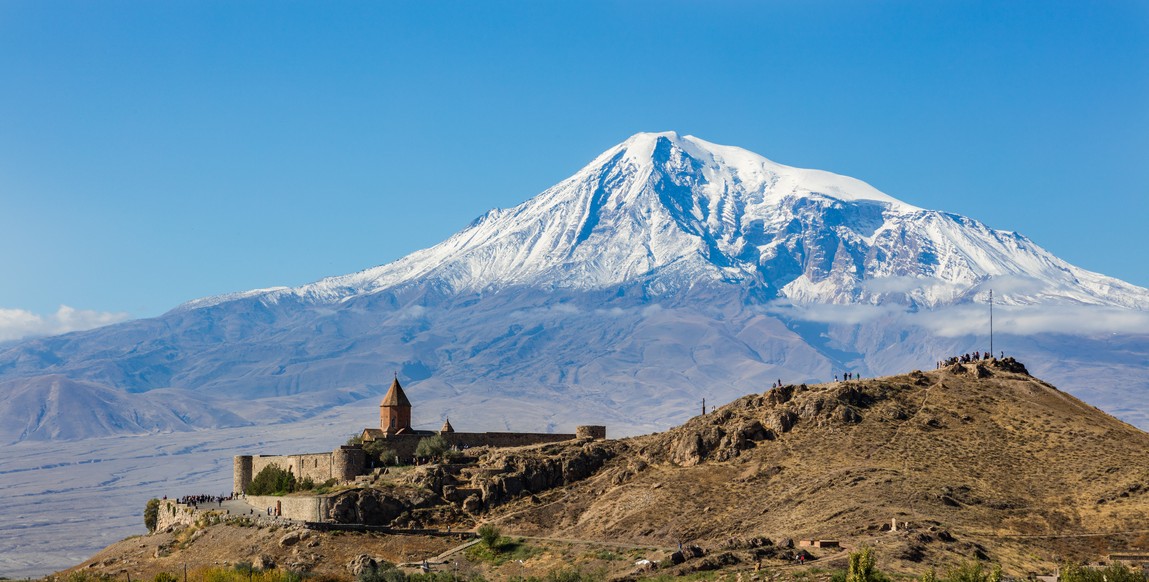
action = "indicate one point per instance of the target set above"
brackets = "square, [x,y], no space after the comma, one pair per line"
[156,152]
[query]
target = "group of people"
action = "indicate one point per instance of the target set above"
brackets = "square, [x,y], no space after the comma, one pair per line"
[847,376]
[196,500]
[966,359]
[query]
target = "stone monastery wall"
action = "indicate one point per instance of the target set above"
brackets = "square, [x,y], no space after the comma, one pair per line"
[317,466]
[342,464]
[404,444]
[307,508]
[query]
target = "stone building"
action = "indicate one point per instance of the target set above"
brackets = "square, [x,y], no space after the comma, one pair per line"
[395,431]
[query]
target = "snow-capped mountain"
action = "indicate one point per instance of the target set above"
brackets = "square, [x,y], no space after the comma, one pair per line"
[667,270]
[674,211]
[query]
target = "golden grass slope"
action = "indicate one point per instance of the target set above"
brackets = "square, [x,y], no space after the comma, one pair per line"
[981,459]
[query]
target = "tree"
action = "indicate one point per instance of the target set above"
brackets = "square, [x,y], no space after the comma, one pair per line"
[863,567]
[490,535]
[272,480]
[379,451]
[152,514]
[974,572]
[431,447]
[355,439]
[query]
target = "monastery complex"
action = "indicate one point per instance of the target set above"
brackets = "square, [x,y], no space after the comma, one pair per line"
[350,461]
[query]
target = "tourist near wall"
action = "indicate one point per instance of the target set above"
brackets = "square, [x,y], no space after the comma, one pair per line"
[301,508]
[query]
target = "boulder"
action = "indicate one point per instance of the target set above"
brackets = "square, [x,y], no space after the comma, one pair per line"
[782,421]
[290,539]
[360,563]
[472,504]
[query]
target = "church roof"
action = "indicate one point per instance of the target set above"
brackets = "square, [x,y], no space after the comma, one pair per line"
[395,396]
[447,426]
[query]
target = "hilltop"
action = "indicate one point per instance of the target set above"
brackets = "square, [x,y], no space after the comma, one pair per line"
[974,461]
[981,459]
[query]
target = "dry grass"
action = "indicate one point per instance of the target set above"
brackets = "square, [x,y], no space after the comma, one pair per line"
[984,461]
[988,464]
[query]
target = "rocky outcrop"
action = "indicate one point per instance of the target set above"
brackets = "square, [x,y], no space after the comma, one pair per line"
[741,425]
[372,506]
[520,473]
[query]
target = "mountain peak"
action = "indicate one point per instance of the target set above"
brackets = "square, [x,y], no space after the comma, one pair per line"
[724,164]
[666,212]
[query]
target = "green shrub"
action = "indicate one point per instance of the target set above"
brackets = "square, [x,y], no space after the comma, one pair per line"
[355,439]
[152,514]
[431,447]
[973,572]
[490,535]
[378,450]
[272,480]
[863,567]
[166,577]
[382,573]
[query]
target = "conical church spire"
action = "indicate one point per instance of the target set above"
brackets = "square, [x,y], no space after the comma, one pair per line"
[395,410]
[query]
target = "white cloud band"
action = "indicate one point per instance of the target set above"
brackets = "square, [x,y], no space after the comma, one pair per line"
[16,324]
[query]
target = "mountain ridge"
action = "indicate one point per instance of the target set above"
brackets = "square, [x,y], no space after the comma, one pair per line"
[667,270]
[674,209]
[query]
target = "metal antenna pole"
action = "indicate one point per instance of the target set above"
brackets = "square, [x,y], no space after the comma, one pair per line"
[991,322]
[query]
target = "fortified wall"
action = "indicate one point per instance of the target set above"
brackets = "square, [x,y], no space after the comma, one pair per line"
[404,444]
[342,464]
[348,462]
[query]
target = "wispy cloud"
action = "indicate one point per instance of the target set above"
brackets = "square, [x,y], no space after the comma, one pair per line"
[18,324]
[969,319]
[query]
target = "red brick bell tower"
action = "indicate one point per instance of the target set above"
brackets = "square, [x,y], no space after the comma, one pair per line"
[395,410]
